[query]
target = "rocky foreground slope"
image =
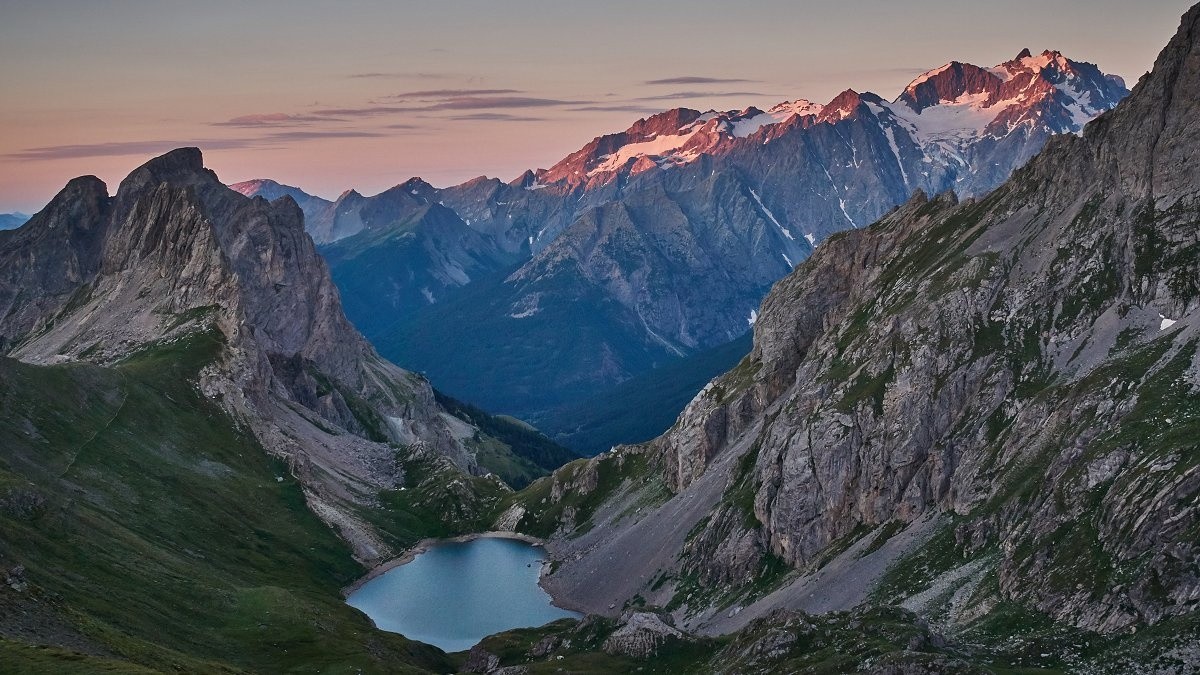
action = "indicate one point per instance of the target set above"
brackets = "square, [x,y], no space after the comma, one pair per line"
[977,409]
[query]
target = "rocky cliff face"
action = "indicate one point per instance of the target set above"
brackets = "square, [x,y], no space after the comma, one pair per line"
[1009,386]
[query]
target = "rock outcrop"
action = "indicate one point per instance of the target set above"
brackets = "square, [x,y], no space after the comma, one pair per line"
[640,635]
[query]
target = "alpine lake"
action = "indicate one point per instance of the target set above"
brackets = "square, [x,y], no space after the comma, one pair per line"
[453,594]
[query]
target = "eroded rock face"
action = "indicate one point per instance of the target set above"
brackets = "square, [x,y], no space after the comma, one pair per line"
[479,660]
[1005,360]
[640,634]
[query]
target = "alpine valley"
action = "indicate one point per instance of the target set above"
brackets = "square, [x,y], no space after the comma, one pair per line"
[962,436]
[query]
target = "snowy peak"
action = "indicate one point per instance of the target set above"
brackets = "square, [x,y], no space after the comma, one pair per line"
[960,102]
[260,187]
[942,111]
[665,140]
[801,107]
[1055,91]
[271,190]
[844,105]
[949,83]
[418,188]
[651,136]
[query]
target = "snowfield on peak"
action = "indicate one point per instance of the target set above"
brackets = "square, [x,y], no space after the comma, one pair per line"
[654,147]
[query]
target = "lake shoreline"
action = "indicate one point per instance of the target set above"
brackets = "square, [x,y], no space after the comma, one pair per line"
[425,544]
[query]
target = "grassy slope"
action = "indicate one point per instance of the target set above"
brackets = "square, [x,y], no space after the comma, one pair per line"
[157,534]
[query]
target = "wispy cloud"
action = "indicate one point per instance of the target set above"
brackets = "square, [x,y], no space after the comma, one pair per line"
[400,76]
[696,79]
[154,147]
[368,111]
[273,119]
[674,96]
[115,149]
[316,135]
[446,93]
[630,108]
[451,104]
[498,102]
[495,117]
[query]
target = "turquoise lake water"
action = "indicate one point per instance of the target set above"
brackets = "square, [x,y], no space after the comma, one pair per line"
[455,594]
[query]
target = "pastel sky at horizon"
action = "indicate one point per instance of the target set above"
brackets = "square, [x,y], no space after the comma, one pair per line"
[366,93]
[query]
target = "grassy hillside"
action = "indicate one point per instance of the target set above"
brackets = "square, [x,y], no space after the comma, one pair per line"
[151,532]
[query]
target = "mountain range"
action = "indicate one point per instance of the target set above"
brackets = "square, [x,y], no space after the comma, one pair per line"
[984,410]
[963,438]
[11,221]
[654,244]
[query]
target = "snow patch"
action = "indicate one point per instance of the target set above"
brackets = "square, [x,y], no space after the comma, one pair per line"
[926,76]
[1166,323]
[658,146]
[787,233]
[748,126]
[526,306]
[891,136]
[753,317]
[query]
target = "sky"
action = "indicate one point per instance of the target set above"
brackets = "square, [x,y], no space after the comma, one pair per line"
[363,94]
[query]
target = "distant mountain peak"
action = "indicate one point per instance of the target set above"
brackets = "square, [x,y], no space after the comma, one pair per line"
[417,187]
[842,106]
[1044,91]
